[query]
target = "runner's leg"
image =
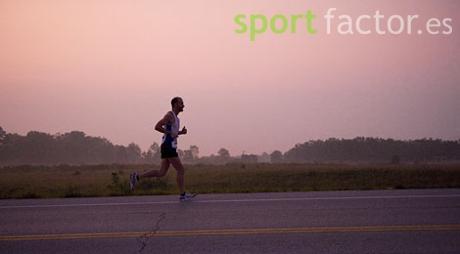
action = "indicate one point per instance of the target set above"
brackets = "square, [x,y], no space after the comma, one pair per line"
[177,164]
[158,173]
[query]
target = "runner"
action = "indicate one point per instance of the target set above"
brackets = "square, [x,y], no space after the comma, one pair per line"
[169,126]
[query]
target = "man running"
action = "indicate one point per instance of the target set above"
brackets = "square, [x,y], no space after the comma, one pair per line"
[169,126]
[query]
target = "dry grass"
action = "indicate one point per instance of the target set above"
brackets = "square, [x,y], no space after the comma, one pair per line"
[112,180]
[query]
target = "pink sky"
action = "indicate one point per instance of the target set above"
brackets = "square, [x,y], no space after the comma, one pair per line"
[110,68]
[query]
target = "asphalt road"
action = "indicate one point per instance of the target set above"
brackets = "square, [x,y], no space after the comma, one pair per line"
[396,221]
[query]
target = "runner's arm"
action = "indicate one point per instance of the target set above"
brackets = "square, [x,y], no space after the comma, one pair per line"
[160,126]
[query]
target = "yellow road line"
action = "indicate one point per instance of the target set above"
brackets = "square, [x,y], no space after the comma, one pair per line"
[226,232]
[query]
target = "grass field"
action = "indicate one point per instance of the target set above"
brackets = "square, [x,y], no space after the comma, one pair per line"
[112,180]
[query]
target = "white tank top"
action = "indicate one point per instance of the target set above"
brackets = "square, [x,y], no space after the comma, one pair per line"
[174,127]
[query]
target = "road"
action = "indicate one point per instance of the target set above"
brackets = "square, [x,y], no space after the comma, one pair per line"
[391,221]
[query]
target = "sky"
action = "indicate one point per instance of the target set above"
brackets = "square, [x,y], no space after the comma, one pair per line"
[110,69]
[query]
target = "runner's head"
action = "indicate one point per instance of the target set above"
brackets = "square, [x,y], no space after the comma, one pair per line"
[177,104]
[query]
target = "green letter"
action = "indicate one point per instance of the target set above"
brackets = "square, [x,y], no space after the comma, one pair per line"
[253,30]
[294,22]
[310,17]
[238,21]
[284,24]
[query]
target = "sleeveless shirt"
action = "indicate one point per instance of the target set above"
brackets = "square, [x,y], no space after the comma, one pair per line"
[174,127]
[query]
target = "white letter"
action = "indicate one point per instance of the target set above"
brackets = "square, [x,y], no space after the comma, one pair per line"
[447,25]
[401,24]
[409,23]
[358,24]
[429,25]
[328,18]
[348,23]
[377,18]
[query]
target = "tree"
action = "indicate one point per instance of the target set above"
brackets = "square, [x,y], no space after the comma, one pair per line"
[187,156]
[134,153]
[195,151]
[191,154]
[276,157]
[2,147]
[2,135]
[263,158]
[223,153]
[39,147]
[153,154]
[249,158]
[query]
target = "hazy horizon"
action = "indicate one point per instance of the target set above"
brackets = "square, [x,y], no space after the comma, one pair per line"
[110,69]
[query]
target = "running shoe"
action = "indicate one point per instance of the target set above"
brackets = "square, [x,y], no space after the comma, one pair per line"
[187,196]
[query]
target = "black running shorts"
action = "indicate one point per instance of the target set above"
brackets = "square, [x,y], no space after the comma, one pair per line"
[167,151]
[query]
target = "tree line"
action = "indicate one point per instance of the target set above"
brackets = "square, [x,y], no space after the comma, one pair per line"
[365,149]
[76,148]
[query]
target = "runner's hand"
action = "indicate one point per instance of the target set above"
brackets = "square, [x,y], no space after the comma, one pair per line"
[183,131]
